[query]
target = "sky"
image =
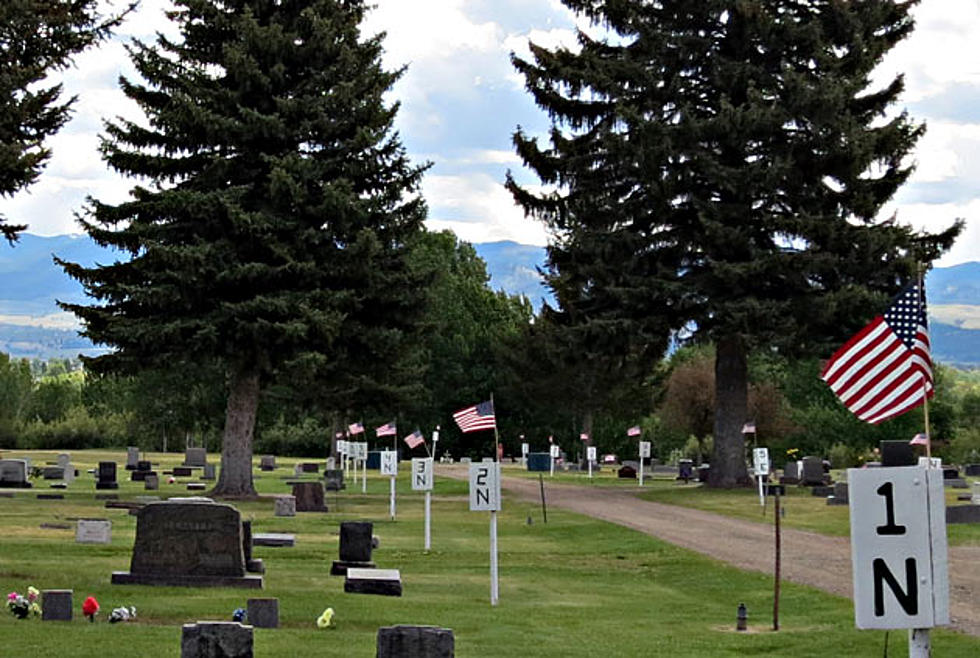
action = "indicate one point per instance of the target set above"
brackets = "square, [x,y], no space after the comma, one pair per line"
[461,101]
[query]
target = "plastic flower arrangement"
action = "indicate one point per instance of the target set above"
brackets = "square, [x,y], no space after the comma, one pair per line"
[239,615]
[324,620]
[90,607]
[21,606]
[122,613]
[791,453]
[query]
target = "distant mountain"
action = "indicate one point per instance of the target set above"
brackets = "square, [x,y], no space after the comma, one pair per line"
[32,325]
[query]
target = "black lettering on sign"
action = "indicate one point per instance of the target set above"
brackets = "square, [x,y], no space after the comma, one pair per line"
[420,480]
[885,491]
[483,495]
[481,478]
[908,599]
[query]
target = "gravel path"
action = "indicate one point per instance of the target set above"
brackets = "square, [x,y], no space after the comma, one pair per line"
[807,558]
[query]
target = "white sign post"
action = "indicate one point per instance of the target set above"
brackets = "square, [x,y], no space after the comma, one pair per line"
[435,441]
[590,457]
[485,496]
[389,467]
[525,448]
[422,479]
[342,450]
[760,463]
[362,450]
[898,551]
[555,454]
[644,454]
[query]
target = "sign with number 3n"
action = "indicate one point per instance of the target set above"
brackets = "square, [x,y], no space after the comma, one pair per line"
[898,547]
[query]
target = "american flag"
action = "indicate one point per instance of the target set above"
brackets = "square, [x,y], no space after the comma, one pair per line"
[388,429]
[475,418]
[920,439]
[415,439]
[355,428]
[749,427]
[885,369]
[633,431]
[584,436]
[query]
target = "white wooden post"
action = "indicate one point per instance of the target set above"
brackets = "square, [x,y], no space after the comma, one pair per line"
[485,496]
[389,467]
[422,480]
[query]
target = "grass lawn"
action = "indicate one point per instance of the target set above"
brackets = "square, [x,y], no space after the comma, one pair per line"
[571,587]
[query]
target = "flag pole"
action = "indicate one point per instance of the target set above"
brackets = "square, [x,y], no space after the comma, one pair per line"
[925,384]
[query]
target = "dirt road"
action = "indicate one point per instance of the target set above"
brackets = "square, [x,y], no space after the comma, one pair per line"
[807,558]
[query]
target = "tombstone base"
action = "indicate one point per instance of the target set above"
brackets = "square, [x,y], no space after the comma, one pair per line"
[16,485]
[255,566]
[273,539]
[834,500]
[420,641]
[384,582]
[340,567]
[106,485]
[963,514]
[128,578]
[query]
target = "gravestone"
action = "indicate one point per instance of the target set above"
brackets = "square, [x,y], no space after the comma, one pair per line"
[355,547]
[822,491]
[196,486]
[151,482]
[685,469]
[64,462]
[286,506]
[13,474]
[385,582]
[216,639]
[415,642]
[263,613]
[298,469]
[132,457]
[972,470]
[309,497]
[106,476]
[704,472]
[267,463]
[897,453]
[188,543]
[195,457]
[139,473]
[56,604]
[53,473]
[333,479]
[962,514]
[183,471]
[93,531]
[626,472]
[813,474]
[840,495]
[791,473]
[251,564]
[309,467]
[209,472]
[273,539]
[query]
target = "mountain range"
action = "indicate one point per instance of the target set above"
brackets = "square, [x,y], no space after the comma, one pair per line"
[32,325]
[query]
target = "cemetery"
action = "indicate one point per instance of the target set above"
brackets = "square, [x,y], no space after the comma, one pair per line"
[566,587]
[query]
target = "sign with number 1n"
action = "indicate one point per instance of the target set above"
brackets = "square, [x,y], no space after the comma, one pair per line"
[898,547]
[422,474]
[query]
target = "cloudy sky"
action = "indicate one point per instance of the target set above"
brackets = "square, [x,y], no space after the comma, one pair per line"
[461,101]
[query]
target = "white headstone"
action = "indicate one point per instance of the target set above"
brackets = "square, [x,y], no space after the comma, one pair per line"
[422,474]
[485,487]
[93,531]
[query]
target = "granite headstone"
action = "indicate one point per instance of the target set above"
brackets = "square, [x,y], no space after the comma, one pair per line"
[13,474]
[309,497]
[355,547]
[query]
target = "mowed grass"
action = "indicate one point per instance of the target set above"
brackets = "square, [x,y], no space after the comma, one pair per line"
[571,587]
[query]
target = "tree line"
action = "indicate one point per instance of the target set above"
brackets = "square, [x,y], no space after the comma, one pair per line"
[714,176]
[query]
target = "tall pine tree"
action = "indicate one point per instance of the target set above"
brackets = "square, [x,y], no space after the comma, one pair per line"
[722,165]
[275,210]
[38,37]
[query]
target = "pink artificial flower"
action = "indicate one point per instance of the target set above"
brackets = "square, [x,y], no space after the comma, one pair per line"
[12,596]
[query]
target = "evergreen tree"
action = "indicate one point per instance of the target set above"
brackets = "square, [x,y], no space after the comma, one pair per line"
[722,165]
[278,201]
[37,37]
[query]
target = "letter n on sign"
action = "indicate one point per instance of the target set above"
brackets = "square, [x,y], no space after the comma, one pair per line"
[898,547]
[485,487]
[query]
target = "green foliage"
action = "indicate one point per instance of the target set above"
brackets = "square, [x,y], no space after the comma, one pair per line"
[15,394]
[77,430]
[37,37]
[842,456]
[307,437]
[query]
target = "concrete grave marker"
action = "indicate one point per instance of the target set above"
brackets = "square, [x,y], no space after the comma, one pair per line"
[263,613]
[195,457]
[333,479]
[93,531]
[216,639]
[309,497]
[132,457]
[386,582]
[285,506]
[56,604]
[188,543]
[106,476]
[13,474]
[415,642]
[267,463]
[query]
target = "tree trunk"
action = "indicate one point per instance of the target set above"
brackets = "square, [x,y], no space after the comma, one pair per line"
[728,467]
[235,479]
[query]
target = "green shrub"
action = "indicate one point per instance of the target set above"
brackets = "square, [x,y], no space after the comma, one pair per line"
[843,456]
[305,438]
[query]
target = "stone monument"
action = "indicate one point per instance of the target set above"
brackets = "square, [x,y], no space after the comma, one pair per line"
[216,639]
[13,474]
[355,547]
[106,476]
[190,543]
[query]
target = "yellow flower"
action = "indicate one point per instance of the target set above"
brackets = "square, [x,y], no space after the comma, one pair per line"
[325,618]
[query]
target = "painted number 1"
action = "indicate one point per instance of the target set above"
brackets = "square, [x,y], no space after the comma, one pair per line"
[890,528]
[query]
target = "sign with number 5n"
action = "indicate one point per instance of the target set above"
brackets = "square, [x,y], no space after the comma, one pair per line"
[898,547]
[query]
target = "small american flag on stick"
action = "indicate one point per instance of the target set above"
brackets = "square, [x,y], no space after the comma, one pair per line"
[633,431]
[388,429]
[355,428]
[415,439]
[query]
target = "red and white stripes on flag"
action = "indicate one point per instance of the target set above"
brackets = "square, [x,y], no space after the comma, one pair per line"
[388,429]
[355,428]
[885,370]
[633,431]
[475,418]
[920,439]
[415,439]
[584,436]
